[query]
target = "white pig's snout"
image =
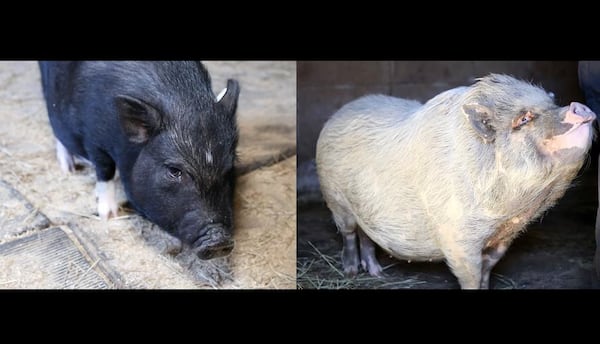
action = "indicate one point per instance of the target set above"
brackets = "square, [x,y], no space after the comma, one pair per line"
[578,114]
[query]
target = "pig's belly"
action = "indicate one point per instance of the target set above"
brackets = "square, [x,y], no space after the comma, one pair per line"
[403,240]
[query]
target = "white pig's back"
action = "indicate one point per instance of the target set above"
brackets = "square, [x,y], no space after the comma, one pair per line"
[374,157]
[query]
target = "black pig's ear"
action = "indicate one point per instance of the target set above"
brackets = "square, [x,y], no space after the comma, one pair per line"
[480,117]
[228,98]
[138,119]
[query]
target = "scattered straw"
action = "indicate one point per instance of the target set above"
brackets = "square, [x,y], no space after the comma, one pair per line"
[29,216]
[85,273]
[507,282]
[5,151]
[327,259]
[93,217]
[316,270]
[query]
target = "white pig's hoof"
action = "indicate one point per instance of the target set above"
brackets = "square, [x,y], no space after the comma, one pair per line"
[374,269]
[370,264]
[351,270]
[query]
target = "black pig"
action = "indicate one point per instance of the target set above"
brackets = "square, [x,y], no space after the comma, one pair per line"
[159,123]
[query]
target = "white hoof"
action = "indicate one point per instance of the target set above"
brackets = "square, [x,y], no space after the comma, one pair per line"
[107,200]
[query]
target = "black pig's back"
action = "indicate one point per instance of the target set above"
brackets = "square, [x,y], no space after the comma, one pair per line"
[58,88]
[80,97]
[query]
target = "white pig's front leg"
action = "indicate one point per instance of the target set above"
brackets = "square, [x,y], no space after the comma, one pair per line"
[462,257]
[490,257]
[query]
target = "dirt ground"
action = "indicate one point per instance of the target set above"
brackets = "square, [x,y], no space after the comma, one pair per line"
[139,253]
[554,253]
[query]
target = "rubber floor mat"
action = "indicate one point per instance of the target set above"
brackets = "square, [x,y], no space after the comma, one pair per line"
[55,258]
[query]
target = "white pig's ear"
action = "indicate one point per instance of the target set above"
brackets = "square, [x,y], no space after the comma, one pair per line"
[480,117]
[228,98]
[139,120]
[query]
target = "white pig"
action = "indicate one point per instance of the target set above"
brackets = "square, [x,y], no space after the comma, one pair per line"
[454,179]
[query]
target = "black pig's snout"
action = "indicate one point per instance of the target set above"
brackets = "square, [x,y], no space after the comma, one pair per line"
[214,241]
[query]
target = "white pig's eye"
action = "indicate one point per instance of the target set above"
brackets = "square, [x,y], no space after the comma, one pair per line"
[523,119]
[174,173]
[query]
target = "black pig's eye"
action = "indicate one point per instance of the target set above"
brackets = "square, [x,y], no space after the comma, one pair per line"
[174,173]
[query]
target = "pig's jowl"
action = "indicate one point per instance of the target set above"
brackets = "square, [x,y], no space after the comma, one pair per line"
[160,124]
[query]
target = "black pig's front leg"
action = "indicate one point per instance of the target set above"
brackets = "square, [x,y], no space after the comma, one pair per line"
[65,158]
[105,183]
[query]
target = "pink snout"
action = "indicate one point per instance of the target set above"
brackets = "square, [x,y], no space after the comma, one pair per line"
[578,114]
[578,135]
